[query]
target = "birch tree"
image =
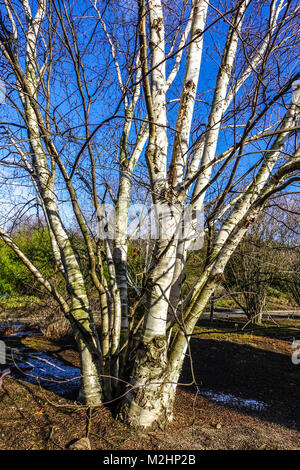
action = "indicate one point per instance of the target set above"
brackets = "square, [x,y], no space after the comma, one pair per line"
[195,105]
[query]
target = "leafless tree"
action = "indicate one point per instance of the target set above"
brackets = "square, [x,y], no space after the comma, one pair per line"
[265,258]
[190,103]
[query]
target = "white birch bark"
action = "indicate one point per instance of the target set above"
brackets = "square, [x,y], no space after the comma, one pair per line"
[208,144]
[188,94]
[275,10]
[256,187]
[218,104]
[80,313]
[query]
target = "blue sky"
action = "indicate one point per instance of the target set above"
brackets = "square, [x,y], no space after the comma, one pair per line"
[99,66]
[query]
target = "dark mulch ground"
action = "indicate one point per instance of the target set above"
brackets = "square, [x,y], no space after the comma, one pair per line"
[251,366]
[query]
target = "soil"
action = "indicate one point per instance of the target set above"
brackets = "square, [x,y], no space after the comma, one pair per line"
[227,361]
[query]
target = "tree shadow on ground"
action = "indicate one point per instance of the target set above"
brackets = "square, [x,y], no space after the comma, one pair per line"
[249,373]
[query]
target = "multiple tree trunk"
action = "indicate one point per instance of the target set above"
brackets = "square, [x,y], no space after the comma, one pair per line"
[140,350]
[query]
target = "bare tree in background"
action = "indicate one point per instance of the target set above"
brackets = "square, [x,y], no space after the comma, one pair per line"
[188,104]
[284,216]
[265,258]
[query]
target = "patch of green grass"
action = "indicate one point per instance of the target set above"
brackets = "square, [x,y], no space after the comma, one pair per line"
[272,292]
[38,343]
[224,334]
[226,302]
[226,330]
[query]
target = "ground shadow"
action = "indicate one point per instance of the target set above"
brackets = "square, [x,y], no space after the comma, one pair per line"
[247,372]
